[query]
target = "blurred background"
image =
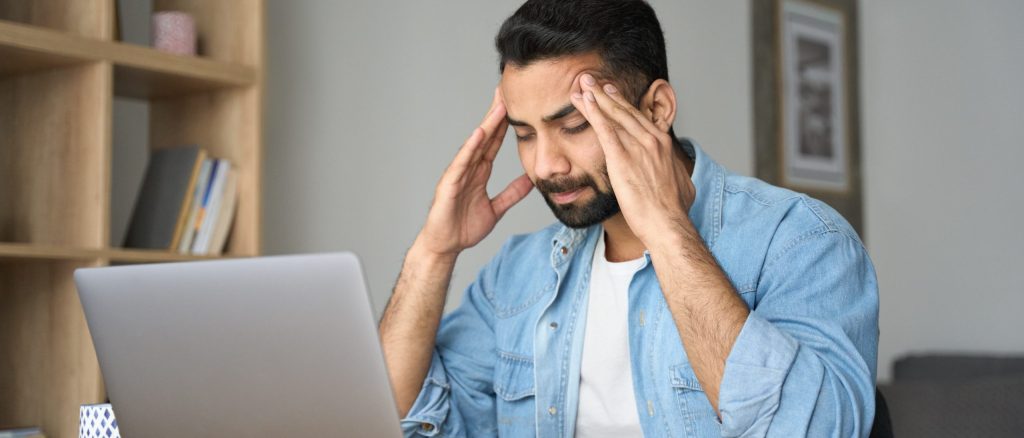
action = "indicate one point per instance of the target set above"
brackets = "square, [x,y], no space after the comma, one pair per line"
[367,102]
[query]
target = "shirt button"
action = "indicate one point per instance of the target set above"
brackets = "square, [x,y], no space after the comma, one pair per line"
[427,427]
[552,410]
[565,250]
[554,325]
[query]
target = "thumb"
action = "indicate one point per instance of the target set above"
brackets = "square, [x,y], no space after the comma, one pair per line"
[513,193]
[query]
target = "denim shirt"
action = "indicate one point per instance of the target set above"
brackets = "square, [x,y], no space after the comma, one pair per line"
[507,360]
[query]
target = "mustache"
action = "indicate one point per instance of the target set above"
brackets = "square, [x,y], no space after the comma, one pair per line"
[565,184]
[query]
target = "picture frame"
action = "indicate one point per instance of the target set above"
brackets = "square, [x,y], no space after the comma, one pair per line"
[806,105]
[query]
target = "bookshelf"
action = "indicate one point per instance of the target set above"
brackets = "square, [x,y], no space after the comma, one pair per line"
[60,70]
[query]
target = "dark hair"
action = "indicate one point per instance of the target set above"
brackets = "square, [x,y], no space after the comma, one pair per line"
[624,33]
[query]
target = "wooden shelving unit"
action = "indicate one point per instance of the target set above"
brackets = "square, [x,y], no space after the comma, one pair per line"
[59,72]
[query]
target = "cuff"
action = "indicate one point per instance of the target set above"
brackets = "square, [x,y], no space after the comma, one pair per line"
[431,407]
[754,373]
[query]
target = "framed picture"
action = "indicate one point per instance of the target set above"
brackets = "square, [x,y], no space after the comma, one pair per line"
[805,100]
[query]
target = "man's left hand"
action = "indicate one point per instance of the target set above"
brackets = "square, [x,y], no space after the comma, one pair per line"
[650,182]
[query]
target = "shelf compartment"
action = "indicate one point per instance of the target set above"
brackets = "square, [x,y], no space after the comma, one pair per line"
[21,251]
[49,367]
[54,156]
[140,72]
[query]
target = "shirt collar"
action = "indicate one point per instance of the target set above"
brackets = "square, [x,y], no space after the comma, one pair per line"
[709,180]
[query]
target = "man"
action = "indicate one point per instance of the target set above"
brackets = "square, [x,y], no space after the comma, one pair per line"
[674,298]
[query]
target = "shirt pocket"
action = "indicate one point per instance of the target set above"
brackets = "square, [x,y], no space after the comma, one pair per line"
[693,404]
[515,390]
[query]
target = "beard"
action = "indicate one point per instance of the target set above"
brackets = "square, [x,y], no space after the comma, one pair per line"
[602,206]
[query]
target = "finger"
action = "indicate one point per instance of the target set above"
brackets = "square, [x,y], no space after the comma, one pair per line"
[635,132]
[576,93]
[493,125]
[464,157]
[471,149]
[495,100]
[494,145]
[607,134]
[513,193]
[613,93]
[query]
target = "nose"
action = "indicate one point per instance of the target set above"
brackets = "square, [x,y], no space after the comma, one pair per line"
[550,161]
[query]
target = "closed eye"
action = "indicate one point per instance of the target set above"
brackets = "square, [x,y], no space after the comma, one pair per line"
[570,131]
[578,129]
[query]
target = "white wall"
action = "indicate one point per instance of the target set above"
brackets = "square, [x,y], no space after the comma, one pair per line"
[368,101]
[943,112]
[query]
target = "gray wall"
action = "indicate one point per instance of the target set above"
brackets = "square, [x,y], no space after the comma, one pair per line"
[367,102]
[943,110]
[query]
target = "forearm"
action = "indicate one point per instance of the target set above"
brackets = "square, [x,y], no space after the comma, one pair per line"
[410,321]
[706,309]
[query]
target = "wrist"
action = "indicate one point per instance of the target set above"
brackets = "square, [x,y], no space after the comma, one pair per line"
[423,254]
[676,238]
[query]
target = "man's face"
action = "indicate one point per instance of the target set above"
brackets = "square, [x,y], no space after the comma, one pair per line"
[557,146]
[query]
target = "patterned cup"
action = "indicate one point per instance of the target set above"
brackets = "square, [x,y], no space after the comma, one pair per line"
[97,421]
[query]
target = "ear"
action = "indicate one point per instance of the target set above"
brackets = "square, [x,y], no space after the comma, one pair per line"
[659,103]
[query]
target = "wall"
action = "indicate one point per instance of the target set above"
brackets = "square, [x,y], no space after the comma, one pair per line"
[943,108]
[368,101]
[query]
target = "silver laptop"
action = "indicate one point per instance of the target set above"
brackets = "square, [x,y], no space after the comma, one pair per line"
[261,347]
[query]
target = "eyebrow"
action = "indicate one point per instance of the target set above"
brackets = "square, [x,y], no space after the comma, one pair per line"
[562,112]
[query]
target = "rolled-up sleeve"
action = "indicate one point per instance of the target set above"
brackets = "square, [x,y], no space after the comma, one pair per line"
[430,410]
[457,398]
[804,362]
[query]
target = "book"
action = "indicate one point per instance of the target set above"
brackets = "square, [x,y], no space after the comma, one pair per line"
[185,244]
[215,169]
[226,215]
[186,206]
[27,432]
[209,219]
[162,204]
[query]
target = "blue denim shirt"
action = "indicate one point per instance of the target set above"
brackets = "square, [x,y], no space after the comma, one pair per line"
[507,361]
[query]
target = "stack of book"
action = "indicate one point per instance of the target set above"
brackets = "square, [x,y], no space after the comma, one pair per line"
[186,204]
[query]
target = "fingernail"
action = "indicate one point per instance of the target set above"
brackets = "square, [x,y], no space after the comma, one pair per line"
[610,89]
[588,79]
[589,96]
[576,96]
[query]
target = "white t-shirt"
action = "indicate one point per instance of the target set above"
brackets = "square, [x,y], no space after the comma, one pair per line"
[607,405]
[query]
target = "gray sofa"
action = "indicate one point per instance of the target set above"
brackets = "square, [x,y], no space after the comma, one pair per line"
[951,395]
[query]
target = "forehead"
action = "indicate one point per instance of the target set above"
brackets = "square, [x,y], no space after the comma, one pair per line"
[543,87]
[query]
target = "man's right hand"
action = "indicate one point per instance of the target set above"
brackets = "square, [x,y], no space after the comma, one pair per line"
[462,213]
[461,216]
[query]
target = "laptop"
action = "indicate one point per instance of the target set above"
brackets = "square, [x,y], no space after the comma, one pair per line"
[269,346]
